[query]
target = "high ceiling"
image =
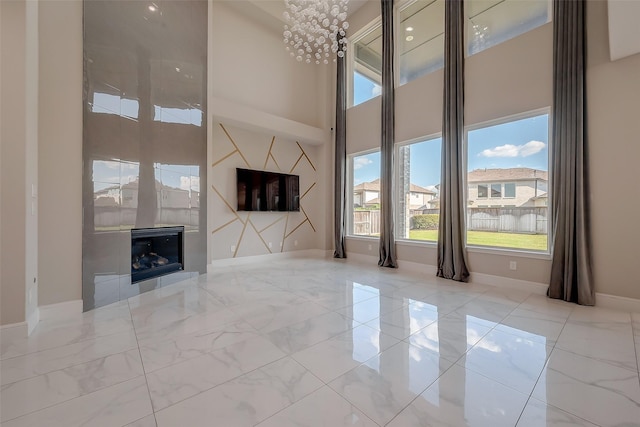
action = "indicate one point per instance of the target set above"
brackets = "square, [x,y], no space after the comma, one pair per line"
[269,12]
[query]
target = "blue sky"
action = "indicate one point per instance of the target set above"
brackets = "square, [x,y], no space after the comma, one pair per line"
[520,143]
[363,89]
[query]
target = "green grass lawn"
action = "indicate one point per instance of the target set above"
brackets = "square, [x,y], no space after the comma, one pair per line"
[536,242]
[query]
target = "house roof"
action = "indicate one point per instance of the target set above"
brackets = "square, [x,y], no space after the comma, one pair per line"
[510,174]
[417,189]
[133,185]
[368,186]
[375,186]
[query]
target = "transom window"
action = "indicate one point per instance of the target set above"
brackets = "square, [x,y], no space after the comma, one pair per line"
[366,76]
[491,22]
[420,36]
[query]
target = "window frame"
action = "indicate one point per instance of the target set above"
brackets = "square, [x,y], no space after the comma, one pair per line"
[351,62]
[467,50]
[515,186]
[486,189]
[396,187]
[399,8]
[546,254]
[499,191]
[349,199]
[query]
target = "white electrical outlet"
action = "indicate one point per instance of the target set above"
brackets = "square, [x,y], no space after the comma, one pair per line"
[233,248]
[513,265]
[270,245]
[295,243]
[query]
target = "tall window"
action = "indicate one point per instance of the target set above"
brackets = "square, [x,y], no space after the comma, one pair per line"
[490,22]
[366,78]
[420,39]
[365,194]
[508,184]
[418,190]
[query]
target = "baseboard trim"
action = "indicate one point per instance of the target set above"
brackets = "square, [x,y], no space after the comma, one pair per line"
[509,283]
[362,259]
[615,302]
[13,331]
[32,320]
[304,253]
[416,267]
[608,301]
[60,310]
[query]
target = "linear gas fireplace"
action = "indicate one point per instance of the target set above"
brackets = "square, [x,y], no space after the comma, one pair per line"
[156,252]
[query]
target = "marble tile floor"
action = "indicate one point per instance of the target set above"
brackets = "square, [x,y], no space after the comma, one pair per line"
[322,342]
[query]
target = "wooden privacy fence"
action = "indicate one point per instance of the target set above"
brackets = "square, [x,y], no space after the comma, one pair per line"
[531,220]
[366,223]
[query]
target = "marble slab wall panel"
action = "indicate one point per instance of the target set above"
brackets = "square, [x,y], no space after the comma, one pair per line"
[144,137]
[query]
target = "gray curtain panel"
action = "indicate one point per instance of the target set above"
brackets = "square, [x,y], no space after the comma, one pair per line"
[452,262]
[571,275]
[387,240]
[340,159]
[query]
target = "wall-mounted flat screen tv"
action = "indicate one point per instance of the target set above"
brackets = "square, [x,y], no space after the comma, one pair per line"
[267,191]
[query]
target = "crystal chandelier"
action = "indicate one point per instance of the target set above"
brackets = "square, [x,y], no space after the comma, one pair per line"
[315,29]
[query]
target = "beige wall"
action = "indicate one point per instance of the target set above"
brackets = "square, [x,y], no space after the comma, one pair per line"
[510,78]
[613,104]
[255,71]
[19,168]
[12,179]
[515,77]
[613,108]
[237,234]
[251,67]
[60,151]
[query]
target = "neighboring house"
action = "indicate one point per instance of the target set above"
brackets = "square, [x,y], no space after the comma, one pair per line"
[167,197]
[368,194]
[513,187]
[420,196]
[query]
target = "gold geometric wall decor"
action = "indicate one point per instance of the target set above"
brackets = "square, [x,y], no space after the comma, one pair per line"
[251,233]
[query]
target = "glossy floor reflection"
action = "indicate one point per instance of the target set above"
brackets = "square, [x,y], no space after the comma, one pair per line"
[320,342]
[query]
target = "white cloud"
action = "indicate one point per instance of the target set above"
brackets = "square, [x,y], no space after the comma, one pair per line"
[510,150]
[361,162]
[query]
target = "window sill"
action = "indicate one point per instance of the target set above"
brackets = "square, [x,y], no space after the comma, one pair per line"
[520,253]
[363,238]
[417,243]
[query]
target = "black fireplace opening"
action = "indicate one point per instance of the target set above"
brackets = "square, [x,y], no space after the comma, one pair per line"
[156,252]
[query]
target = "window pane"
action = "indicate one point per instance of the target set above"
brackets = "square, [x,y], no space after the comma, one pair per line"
[366,194]
[364,88]
[515,153]
[510,190]
[496,191]
[367,66]
[419,183]
[491,22]
[483,191]
[421,39]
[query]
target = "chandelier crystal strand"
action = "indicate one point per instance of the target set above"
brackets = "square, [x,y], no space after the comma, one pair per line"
[315,29]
